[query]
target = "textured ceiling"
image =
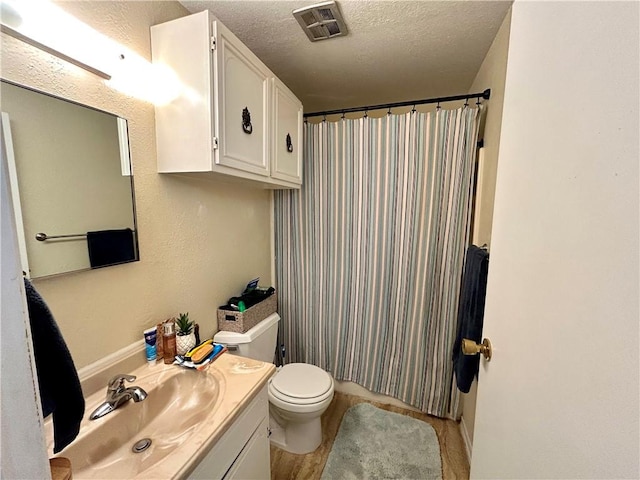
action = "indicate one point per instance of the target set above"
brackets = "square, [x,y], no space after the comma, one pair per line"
[396,50]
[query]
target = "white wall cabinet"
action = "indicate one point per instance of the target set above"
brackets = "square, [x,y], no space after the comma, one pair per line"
[233,116]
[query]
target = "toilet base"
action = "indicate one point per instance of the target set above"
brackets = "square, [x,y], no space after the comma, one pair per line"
[299,438]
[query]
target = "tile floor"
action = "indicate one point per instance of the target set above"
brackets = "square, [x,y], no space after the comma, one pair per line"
[288,466]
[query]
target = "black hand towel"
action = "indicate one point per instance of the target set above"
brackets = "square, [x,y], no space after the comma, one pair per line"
[110,247]
[470,315]
[60,391]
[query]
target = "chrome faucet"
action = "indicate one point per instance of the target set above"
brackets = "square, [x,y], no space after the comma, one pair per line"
[117,394]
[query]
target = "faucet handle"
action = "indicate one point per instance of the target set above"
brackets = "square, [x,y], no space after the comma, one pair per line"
[117,382]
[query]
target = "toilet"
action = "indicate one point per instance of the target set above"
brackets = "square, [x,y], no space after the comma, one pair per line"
[299,393]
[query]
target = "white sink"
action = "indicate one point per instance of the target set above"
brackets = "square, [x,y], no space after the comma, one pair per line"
[179,402]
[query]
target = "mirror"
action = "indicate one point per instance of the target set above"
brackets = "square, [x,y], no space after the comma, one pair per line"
[71,183]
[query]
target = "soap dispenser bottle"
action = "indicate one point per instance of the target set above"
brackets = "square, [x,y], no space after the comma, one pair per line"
[169,342]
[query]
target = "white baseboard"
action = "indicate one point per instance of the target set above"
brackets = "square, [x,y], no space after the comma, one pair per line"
[468,444]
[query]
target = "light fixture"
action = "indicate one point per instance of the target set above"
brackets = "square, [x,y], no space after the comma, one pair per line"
[47,27]
[321,21]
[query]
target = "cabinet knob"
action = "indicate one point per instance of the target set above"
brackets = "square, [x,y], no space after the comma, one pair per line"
[289,144]
[246,121]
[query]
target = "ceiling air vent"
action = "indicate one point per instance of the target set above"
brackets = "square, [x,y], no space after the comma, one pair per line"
[321,21]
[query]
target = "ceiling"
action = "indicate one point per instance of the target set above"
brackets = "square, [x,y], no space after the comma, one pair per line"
[395,50]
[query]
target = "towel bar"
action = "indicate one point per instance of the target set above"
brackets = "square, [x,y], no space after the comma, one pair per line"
[41,236]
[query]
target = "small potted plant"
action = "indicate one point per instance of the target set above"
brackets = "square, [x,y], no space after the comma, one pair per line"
[185,337]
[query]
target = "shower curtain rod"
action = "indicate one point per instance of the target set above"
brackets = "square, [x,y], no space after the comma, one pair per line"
[484,95]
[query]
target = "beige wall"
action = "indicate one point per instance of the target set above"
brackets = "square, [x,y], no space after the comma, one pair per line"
[491,75]
[200,240]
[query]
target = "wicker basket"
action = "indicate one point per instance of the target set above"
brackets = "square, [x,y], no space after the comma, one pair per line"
[240,322]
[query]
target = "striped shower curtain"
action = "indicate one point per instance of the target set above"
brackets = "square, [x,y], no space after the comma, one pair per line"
[369,253]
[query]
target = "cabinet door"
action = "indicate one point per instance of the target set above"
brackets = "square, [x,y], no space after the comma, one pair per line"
[184,128]
[286,146]
[243,94]
[254,462]
[247,433]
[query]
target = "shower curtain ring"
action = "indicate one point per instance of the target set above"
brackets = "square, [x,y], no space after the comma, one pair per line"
[324,118]
[413,110]
[389,111]
[438,107]
[365,114]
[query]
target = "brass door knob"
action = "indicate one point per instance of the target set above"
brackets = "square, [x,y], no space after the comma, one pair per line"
[469,347]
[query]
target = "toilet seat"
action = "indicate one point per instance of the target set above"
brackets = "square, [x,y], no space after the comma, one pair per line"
[301,384]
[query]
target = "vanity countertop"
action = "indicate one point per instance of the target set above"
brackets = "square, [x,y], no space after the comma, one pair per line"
[225,389]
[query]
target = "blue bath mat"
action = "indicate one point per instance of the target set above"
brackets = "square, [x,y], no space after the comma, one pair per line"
[373,443]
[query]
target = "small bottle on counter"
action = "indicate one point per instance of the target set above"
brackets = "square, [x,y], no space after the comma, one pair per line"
[150,342]
[169,341]
[160,341]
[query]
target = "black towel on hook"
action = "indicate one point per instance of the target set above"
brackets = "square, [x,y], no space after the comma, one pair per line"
[470,315]
[110,247]
[60,391]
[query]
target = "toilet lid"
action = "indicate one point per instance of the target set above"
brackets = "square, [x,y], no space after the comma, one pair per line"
[301,380]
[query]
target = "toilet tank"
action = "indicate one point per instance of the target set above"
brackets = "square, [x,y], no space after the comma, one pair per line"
[258,343]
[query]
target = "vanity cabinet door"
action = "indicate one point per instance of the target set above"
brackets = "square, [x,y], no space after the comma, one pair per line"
[286,142]
[254,461]
[243,105]
[230,457]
